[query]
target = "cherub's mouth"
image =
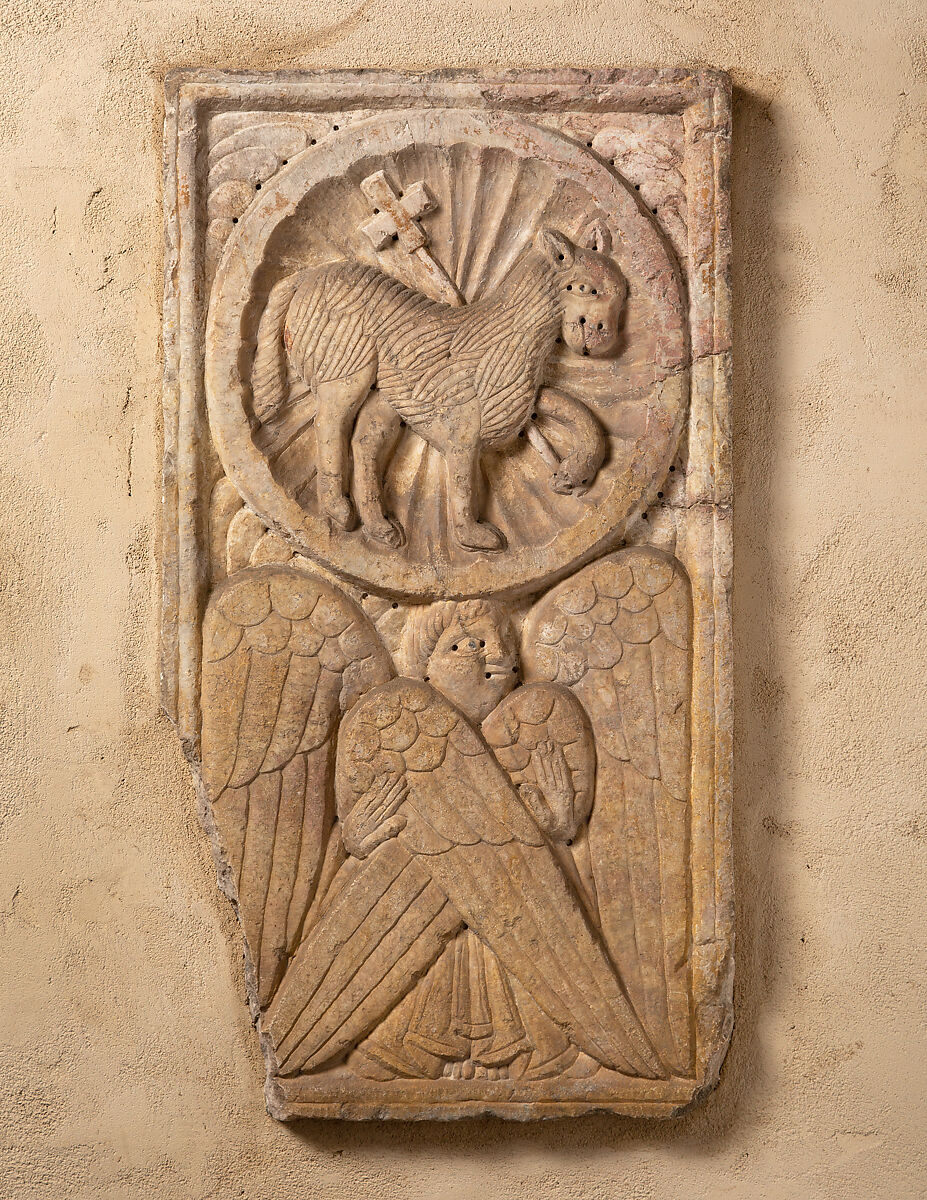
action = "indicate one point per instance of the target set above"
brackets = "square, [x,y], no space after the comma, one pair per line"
[493,669]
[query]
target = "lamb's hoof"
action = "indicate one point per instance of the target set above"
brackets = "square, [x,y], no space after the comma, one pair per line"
[481,535]
[386,530]
[341,512]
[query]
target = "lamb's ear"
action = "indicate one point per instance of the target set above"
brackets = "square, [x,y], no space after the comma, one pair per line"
[555,246]
[598,237]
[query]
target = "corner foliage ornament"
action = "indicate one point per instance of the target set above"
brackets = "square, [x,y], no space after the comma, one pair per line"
[446,627]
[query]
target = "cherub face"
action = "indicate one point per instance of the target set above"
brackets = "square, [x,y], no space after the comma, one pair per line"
[474,664]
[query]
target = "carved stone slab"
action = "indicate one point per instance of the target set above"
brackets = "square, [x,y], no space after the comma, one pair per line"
[447,553]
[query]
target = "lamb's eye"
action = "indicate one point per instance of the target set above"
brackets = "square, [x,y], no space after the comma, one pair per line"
[569,287]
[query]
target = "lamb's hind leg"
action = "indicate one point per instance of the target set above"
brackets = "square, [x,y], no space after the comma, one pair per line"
[338,402]
[375,436]
[463,461]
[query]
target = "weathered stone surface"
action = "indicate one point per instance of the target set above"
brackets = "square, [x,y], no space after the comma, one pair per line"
[447,562]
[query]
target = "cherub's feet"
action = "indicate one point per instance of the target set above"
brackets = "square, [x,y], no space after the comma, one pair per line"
[386,530]
[340,510]
[480,535]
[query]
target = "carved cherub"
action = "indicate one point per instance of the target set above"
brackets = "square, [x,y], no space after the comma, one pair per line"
[463,379]
[372,824]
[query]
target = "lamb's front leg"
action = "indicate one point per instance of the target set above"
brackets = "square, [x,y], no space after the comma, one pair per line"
[463,462]
[338,402]
[375,436]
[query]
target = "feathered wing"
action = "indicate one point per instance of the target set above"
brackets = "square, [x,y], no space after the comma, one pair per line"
[469,853]
[619,634]
[527,720]
[285,654]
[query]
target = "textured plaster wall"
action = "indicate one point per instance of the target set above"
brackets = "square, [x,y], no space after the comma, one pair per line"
[128,1067]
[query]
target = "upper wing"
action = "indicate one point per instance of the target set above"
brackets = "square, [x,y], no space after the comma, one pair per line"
[470,852]
[619,634]
[284,655]
[528,718]
[518,729]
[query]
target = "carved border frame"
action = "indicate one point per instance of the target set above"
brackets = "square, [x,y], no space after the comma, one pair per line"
[704,506]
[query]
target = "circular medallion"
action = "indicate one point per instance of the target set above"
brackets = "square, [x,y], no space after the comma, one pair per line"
[469,194]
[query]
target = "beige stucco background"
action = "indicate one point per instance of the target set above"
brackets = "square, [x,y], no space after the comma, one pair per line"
[128,1066]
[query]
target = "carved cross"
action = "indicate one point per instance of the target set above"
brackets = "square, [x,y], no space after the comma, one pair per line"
[396,219]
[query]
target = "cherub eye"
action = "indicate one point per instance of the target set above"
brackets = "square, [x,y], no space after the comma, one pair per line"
[453,647]
[482,645]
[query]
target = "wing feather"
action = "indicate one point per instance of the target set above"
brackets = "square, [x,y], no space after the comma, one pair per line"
[270,714]
[619,635]
[518,901]
[260,706]
[353,965]
[290,724]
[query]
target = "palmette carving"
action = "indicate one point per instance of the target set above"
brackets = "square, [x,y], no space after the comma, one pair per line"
[460,722]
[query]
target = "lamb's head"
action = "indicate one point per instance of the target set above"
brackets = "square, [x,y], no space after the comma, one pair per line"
[591,289]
